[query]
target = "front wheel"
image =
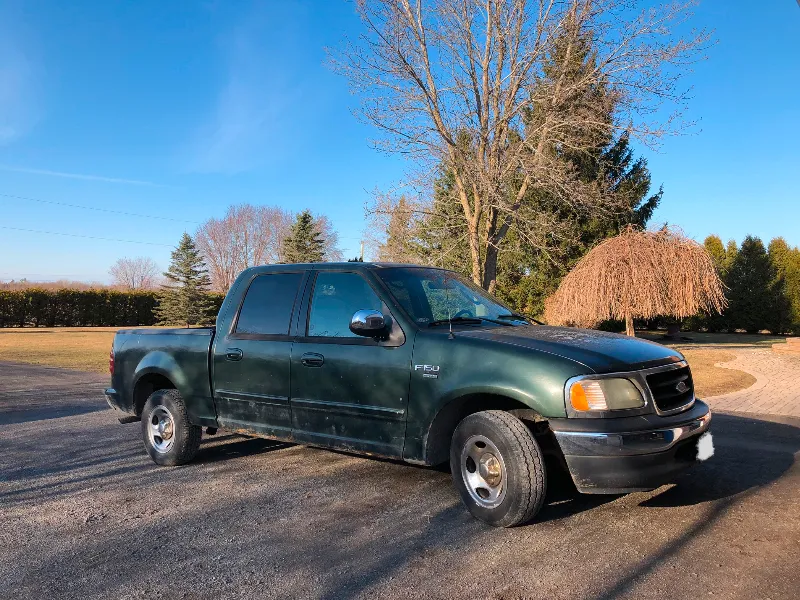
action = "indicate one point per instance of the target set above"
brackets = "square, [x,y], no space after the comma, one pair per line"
[498,468]
[169,437]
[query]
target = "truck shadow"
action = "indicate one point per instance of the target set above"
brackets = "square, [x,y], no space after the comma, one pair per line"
[230,446]
[749,452]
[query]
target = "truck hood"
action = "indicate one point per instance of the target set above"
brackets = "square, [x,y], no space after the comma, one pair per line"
[600,351]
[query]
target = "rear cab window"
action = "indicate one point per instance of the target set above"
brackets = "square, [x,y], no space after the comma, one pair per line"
[268,304]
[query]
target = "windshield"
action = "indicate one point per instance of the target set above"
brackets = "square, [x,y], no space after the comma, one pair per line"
[433,295]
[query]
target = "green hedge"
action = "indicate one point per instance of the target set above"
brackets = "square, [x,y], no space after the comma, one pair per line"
[35,307]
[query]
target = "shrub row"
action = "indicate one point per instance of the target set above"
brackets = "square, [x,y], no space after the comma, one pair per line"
[35,307]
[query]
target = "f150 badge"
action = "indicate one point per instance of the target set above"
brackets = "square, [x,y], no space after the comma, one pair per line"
[429,371]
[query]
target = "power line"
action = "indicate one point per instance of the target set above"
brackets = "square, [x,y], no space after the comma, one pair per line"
[89,237]
[107,210]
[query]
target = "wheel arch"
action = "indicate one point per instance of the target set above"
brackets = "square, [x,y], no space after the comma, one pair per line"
[156,370]
[147,383]
[436,443]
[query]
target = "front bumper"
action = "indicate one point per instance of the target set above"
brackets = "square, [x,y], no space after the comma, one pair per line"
[630,454]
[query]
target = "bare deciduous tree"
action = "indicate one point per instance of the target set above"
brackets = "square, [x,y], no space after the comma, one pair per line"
[251,235]
[135,273]
[331,246]
[487,90]
[391,232]
[246,236]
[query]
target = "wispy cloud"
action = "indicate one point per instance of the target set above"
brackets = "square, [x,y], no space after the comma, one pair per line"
[78,176]
[252,118]
[19,78]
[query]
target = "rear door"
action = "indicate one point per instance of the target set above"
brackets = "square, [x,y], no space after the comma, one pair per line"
[252,360]
[348,391]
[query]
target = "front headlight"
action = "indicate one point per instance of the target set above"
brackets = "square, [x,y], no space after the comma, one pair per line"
[605,394]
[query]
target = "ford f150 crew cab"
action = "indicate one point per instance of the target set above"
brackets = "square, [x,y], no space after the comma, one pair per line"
[417,364]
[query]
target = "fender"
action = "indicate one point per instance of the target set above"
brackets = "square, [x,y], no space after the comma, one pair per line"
[161,363]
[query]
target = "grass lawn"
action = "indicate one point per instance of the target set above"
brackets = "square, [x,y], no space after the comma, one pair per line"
[87,348]
[82,348]
[710,380]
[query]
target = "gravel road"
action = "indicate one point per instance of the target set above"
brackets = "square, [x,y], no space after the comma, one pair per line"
[86,514]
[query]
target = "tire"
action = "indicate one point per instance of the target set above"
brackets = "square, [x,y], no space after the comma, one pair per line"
[169,438]
[503,450]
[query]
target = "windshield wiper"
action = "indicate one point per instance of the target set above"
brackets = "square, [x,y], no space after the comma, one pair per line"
[519,317]
[472,320]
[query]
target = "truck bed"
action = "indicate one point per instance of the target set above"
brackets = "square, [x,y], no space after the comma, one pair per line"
[142,356]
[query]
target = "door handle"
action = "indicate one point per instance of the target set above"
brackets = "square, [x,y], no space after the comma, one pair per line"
[233,354]
[312,359]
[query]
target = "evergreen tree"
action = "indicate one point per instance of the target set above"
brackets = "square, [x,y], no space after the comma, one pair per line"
[305,243]
[399,246]
[184,299]
[786,262]
[714,247]
[723,257]
[755,295]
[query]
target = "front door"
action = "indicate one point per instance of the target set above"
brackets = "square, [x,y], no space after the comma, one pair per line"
[252,361]
[349,391]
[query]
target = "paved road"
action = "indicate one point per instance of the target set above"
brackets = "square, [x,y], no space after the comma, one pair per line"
[775,391]
[85,514]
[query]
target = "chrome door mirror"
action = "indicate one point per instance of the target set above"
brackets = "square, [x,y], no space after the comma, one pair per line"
[369,323]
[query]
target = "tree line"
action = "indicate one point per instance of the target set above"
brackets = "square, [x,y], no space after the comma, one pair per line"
[36,307]
[245,236]
[763,286]
[188,293]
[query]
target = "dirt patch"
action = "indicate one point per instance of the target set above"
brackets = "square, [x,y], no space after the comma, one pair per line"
[711,380]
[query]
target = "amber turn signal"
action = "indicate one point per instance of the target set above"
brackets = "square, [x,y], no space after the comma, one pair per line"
[578,397]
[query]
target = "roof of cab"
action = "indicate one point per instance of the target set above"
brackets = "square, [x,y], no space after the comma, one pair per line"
[334,266]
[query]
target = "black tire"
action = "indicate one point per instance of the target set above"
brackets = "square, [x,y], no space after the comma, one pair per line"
[523,475]
[184,438]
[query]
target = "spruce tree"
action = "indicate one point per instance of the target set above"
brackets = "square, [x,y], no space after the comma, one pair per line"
[305,243]
[755,296]
[184,299]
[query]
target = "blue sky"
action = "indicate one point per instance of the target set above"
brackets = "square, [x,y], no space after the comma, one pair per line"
[178,109]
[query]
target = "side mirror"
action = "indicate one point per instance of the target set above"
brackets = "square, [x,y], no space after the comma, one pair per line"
[369,323]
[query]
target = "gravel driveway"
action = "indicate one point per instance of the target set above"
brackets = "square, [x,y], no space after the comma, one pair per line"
[86,514]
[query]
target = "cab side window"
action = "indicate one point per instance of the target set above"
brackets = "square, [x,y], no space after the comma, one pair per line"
[268,304]
[336,297]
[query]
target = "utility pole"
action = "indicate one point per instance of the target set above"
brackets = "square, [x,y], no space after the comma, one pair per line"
[362,243]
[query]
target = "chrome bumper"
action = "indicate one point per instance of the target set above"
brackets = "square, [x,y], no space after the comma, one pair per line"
[583,443]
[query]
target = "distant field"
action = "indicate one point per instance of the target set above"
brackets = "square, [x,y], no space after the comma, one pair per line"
[87,348]
[82,348]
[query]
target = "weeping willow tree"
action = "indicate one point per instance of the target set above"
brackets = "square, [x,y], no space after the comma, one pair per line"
[638,274]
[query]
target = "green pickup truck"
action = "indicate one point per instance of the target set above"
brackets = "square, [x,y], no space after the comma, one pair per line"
[416,364]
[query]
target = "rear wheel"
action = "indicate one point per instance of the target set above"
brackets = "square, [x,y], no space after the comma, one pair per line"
[169,437]
[498,468]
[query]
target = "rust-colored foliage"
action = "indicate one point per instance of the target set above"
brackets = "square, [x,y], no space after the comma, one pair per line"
[638,274]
